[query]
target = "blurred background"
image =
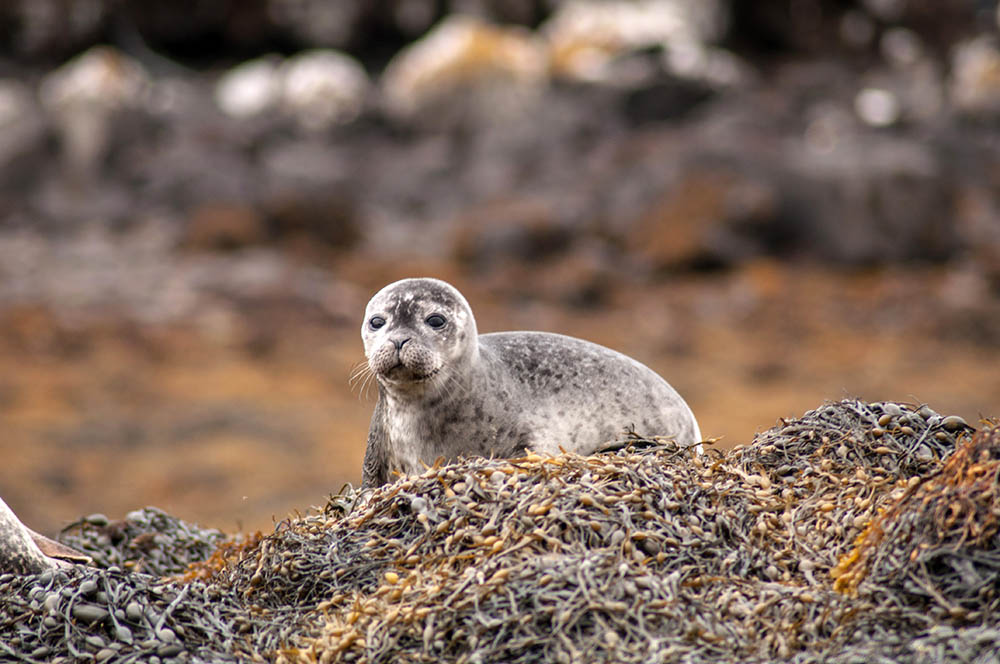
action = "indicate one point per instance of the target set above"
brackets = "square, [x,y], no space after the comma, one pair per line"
[772,203]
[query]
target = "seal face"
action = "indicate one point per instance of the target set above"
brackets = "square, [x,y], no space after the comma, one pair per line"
[447,391]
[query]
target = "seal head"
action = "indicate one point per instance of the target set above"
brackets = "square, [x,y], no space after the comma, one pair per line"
[447,391]
[418,334]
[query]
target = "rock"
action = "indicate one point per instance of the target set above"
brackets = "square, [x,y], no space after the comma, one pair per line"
[224,226]
[877,107]
[328,217]
[465,65]
[317,89]
[872,198]
[974,86]
[21,127]
[705,219]
[318,23]
[323,88]
[250,88]
[48,28]
[83,97]
[523,232]
[585,39]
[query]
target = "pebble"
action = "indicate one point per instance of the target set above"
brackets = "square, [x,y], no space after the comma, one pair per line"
[133,611]
[169,650]
[123,633]
[89,613]
[954,423]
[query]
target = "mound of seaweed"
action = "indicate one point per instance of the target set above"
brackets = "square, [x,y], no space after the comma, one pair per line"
[86,614]
[937,550]
[840,536]
[147,540]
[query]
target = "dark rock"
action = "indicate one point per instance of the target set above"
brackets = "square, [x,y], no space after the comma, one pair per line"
[223,226]
[665,100]
[329,217]
[519,231]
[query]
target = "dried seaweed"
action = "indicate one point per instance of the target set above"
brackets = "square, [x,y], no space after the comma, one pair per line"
[858,532]
[936,552]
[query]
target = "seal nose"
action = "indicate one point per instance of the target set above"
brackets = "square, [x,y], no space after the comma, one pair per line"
[400,342]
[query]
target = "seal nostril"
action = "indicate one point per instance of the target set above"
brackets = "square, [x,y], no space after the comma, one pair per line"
[400,342]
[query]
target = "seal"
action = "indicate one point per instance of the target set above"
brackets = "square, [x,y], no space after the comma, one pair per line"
[444,390]
[23,551]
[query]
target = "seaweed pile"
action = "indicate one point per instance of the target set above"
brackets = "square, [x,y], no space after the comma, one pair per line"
[147,540]
[857,532]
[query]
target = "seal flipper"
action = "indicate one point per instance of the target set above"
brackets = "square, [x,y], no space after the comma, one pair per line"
[58,550]
[375,471]
[18,552]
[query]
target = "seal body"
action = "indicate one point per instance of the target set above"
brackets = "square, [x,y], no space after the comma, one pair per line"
[447,391]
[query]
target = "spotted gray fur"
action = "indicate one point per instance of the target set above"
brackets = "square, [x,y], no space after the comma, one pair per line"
[449,391]
[18,552]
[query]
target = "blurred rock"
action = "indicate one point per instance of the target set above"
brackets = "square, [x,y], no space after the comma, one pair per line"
[323,88]
[325,24]
[83,96]
[857,28]
[708,219]
[663,99]
[871,198]
[250,88]
[901,47]
[465,66]
[21,125]
[586,38]
[223,226]
[583,278]
[327,217]
[877,107]
[515,232]
[45,27]
[975,77]
[318,89]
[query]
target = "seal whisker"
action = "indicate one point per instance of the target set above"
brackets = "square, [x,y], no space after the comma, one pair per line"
[358,370]
[361,379]
[367,386]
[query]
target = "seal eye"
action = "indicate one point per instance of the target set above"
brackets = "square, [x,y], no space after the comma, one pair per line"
[376,322]
[435,320]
